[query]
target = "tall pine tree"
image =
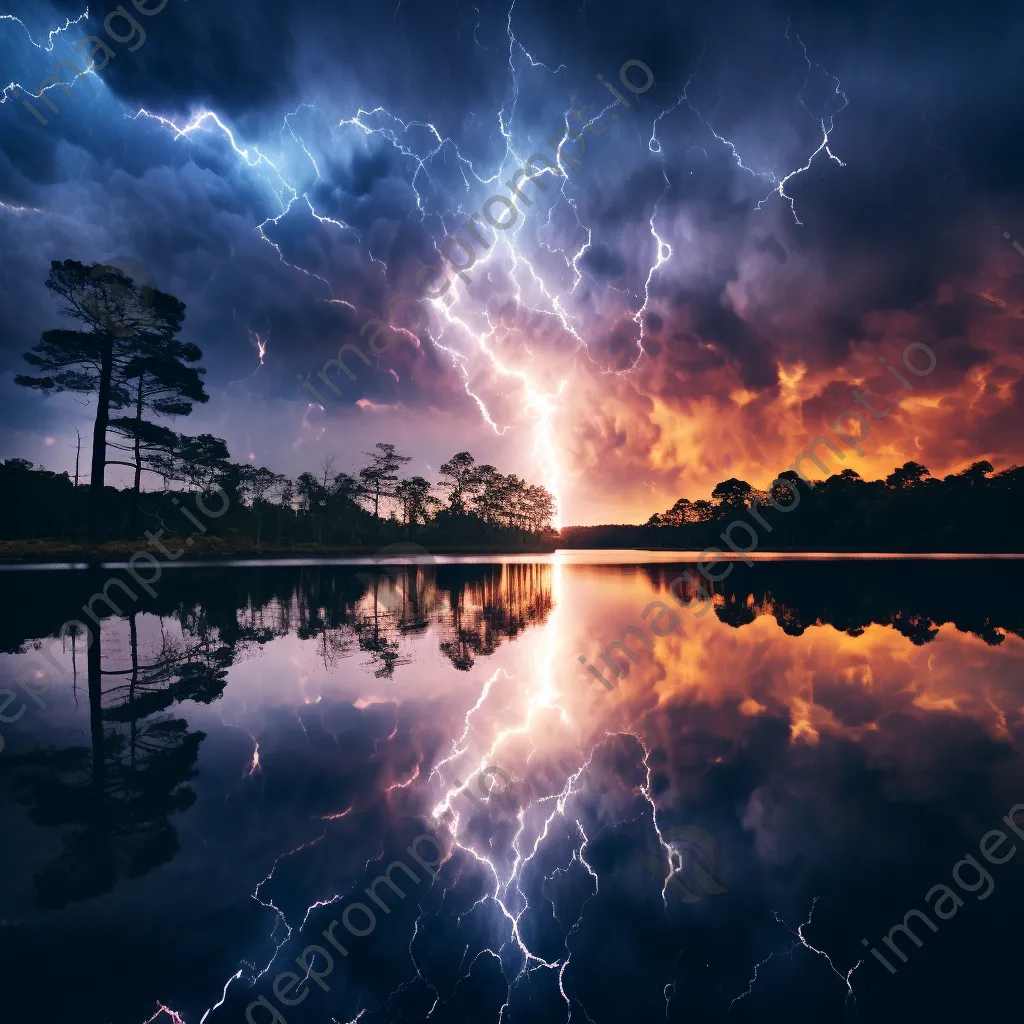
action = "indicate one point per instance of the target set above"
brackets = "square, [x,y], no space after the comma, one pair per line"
[122,320]
[163,382]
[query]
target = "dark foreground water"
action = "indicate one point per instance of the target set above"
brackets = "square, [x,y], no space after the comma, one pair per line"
[247,797]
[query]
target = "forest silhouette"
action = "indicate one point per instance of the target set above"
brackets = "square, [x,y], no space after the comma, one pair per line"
[975,510]
[127,357]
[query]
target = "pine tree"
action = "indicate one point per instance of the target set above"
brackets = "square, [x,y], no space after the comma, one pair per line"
[164,383]
[116,313]
[382,474]
[462,481]
[417,501]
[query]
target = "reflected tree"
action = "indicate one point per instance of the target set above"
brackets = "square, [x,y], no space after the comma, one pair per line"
[114,799]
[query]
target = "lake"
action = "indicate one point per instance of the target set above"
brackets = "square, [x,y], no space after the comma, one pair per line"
[291,792]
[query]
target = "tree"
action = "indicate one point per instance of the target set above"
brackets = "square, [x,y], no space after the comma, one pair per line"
[343,504]
[462,481]
[417,501]
[783,490]
[312,500]
[195,461]
[910,474]
[151,444]
[257,487]
[838,485]
[538,508]
[382,474]
[703,511]
[347,489]
[162,381]
[285,506]
[509,493]
[326,465]
[733,495]
[976,475]
[487,502]
[679,514]
[116,313]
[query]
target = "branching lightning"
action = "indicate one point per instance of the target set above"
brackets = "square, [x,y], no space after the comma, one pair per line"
[826,123]
[458,317]
[801,940]
[13,88]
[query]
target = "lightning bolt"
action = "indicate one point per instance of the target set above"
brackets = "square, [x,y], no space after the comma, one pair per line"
[457,317]
[48,48]
[161,1010]
[825,122]
[798,935]
[13,87]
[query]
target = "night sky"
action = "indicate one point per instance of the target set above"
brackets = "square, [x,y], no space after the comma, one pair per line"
[801,191]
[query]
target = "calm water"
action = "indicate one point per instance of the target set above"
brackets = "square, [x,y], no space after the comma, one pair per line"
[221,807]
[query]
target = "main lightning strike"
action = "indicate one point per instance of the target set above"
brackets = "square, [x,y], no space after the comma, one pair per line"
[541,406]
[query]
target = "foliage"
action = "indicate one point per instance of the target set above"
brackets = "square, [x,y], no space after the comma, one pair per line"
[372,506]
[909,510]
[127,353]
[128,356]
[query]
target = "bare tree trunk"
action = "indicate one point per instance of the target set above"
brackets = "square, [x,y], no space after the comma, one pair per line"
[132,684]
[96,718]
[99,440]
[137,487]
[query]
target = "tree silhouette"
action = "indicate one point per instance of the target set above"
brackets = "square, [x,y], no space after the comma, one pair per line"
[382,474]
[163,382]
[258,486]
[971,510]
[460,477]
[114,799]
[417,502]
[910,474]
[323,507]
[119,316]
[195,461]
[733,493]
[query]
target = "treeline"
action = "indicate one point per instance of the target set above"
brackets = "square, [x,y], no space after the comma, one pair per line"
[910,510]
[472,505]
[128,359]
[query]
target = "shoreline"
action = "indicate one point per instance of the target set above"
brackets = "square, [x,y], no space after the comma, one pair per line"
[206,549]
[15,555]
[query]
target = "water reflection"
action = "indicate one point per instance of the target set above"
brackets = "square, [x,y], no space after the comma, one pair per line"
[253,747]
[113,798]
